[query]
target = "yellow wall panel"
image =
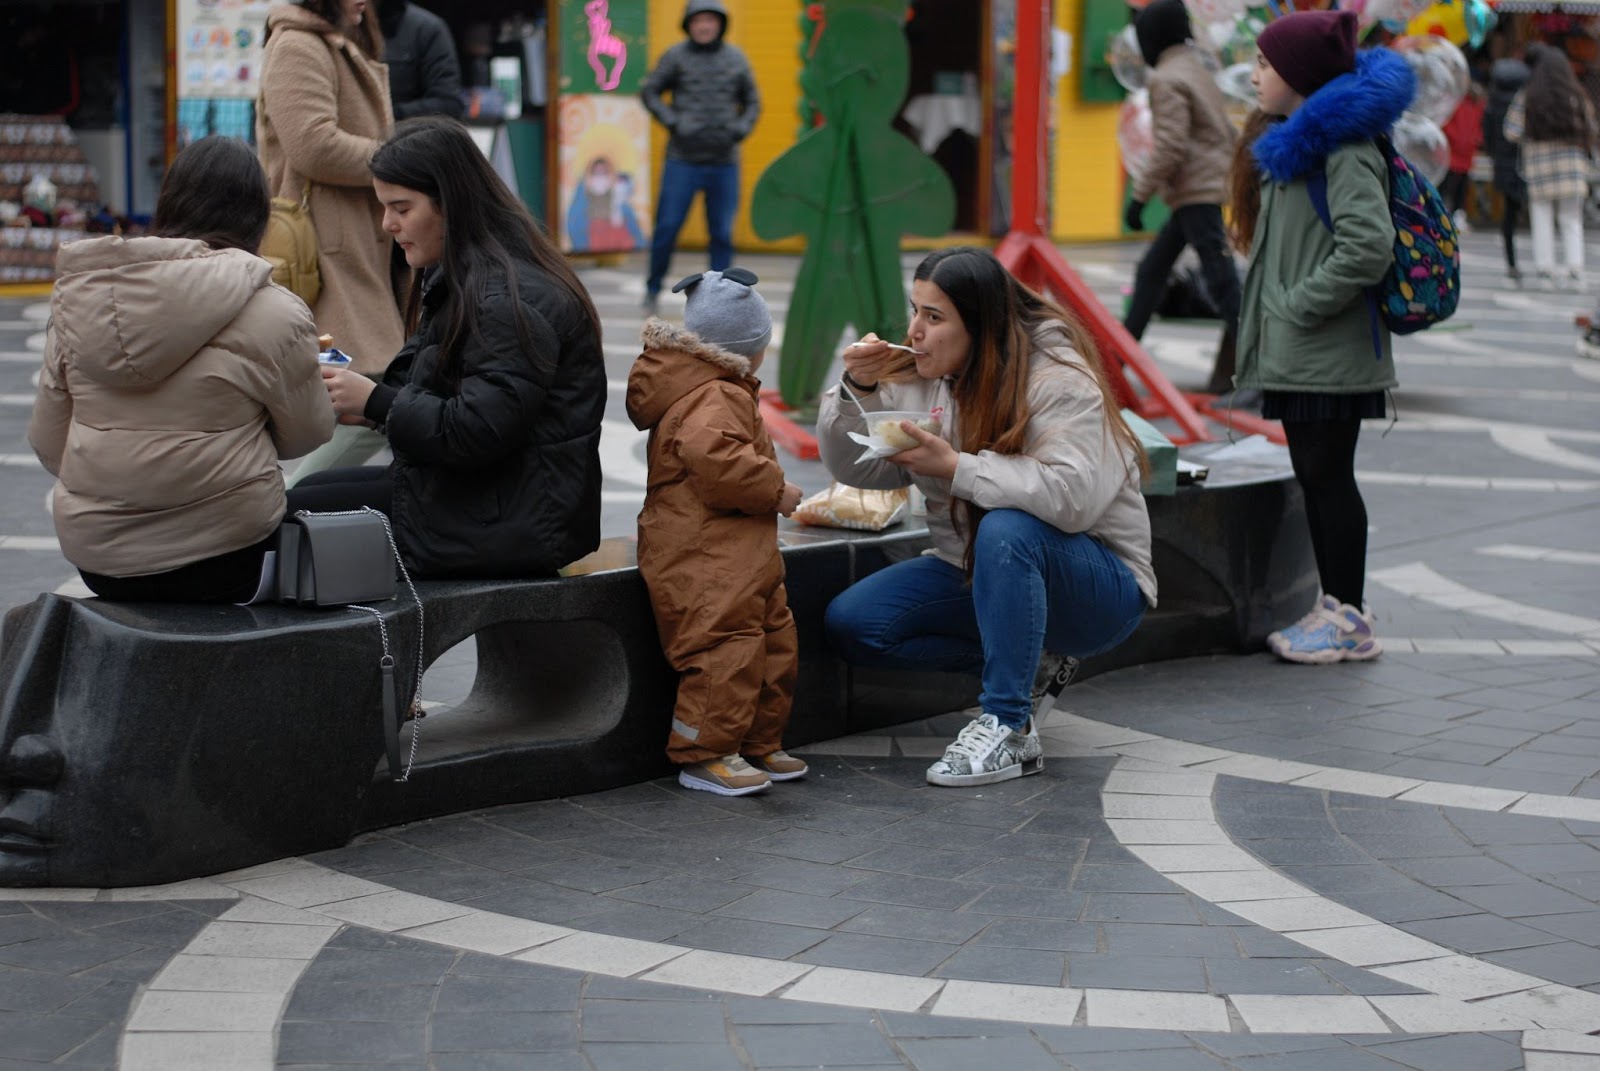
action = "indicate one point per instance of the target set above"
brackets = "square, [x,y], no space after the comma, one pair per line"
[1086,201]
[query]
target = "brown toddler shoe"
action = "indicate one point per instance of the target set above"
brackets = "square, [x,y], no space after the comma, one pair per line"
[779,765]
[727,776]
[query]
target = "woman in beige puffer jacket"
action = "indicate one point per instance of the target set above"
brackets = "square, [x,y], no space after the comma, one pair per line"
[176,375]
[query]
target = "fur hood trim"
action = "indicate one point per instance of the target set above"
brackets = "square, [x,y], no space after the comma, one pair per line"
[1352,108]
[658,334]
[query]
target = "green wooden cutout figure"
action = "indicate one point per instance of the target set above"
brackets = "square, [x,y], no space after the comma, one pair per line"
[852,186]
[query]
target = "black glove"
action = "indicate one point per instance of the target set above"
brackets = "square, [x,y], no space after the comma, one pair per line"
[1134,216]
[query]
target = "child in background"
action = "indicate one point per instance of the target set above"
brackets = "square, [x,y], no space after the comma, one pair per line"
[1308,338]
[1464,131]
[708,537]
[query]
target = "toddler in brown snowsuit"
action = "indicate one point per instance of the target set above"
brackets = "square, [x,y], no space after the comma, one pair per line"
[708,537]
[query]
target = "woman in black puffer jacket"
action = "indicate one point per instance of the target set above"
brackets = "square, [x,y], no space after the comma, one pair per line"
[1506,77]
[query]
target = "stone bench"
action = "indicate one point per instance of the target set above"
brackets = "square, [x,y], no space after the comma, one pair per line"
[143,744]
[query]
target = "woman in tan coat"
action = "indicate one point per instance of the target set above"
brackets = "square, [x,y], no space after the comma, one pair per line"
[175,377]
[324,110]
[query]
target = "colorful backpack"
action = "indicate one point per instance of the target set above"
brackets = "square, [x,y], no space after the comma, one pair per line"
[1424,282]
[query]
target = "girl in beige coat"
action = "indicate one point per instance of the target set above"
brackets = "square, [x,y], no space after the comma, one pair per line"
[176,375]
[323,112]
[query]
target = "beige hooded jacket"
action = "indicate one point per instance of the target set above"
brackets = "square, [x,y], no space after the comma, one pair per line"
[175,376]
[1073,474]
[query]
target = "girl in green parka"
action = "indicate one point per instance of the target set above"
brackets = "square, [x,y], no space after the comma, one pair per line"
[1309,337]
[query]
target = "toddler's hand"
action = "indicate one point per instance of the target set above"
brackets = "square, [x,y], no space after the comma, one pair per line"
[790,499]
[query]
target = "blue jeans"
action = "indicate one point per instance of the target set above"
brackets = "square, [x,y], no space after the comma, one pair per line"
[679,183]
[1033,587]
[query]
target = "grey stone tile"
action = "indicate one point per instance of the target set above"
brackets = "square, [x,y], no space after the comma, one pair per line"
[670,813]
[1412,846]
[109,1003]
[931,833]
[44,1037]
[618,1056]
[138,966]
[1459,870]
[500,1061]
[478,965]
[1254,827]
[1543,762]
[869,953]
[758,1011]
[358,966]
[991,963]
[963,1054]
[1496,829]
[985,815]
[816,1045]
[458,881]
[1164,939]
[1082,1039]
[1308,852]
[1333,1058]
[1033,873]
[1088,970]
[65,955]
[913,892]
[592,874]
[1274,976]
[944,927]
[768,939]
[916,860]
[684,892]
[1567,963]
[1479,933]
[378,941]
[1486,734]
[1044,934]
[1580,926]
[797,909]
[1549,858]
[914,1025]
[170,930]
[1336,880]
[35,991]
[79,915]
[334,1042]
[601,987]
[1520,900]
[1264,944]
[1390,905]
[1103,877]
[1029,903]
[656,1020]
[815,845]
[503,1031]
[1169,1060]
[1140,907]
[642,921]
[374,854]
[553,820]
[1458,1052]
[471,994]
[799,876]
[1362,983]
[99,1053]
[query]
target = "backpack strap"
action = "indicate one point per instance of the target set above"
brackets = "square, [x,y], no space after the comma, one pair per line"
[1317,190]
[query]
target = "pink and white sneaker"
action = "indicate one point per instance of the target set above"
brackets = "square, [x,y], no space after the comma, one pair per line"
[1333,631]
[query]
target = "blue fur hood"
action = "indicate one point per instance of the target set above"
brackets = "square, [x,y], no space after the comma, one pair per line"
[1353,107]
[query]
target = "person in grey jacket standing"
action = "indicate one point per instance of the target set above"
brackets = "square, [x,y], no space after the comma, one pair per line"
[424,75]
[714,107]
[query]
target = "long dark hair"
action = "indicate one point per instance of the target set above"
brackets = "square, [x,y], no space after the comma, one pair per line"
[215,191]
[487,231]
[1001,316]
[1554,102]
[367,36]
[1244,181]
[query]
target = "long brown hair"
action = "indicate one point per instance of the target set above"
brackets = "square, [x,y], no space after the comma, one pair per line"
[991,390]
[367,36]
[1554,101]
[1244,181]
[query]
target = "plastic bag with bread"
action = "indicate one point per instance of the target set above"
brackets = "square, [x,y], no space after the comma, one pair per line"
[855,508]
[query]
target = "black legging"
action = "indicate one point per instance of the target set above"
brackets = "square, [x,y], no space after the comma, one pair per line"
[1508,228]
[1323,453]
[343,489]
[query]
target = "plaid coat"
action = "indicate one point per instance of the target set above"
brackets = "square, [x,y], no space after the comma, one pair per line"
[1552,169]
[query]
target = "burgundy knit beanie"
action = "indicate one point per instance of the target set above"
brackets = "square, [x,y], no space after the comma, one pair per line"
[1309,49]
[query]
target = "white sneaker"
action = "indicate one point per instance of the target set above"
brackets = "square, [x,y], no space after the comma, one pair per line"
[985,752]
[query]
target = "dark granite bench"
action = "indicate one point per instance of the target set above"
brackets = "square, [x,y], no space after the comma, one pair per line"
[147,744]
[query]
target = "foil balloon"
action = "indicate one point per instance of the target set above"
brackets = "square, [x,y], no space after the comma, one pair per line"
[1126,61]
[1442,75]
[1480,18]
[1420,140]
[1135,135]
[1209,11]
[1448,21]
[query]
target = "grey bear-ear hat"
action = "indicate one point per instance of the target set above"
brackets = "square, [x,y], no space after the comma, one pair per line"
[723,308]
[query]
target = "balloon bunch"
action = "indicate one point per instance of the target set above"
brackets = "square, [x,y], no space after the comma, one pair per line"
[1442,80]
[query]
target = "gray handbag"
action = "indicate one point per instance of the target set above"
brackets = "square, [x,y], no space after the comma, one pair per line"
[349,558]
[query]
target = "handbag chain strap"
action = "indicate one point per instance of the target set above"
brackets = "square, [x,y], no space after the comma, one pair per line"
[386,662]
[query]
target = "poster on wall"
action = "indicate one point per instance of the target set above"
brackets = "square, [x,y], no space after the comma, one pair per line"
[605,173]
[218,66]
[604,45]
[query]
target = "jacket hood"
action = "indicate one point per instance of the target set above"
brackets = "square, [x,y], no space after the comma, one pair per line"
[1353,107]
[675,361]
[128,312]
[700,7]
[295,17]
[1159,26]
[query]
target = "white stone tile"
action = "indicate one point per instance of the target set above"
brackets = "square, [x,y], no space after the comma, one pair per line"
[1559,1041]
[1097,734]
[1176,858]
[267,940]
[197,1052]
[1128,762]
[229,974]
[1308,1015]
[1009,1003]
[1171,752]
[162,1009]
[1554,1007]
[483,931]
[1298,913]
[1359,783]
[1241,885]
[1560,1061]
[1122,805]
[42,895]
[1262,768]
[751,975]
[1548,648]
[600,953]
[921,747]
[864,989]
[1367,946]
[194,889]
[1451,645]
[255,909]
[308,888]
[1156,1011]
[1582,810]
[867,746]
[1168,831]
[1461,977]
[1470,797]
[1144,783]
[393,910]
[1427,1013]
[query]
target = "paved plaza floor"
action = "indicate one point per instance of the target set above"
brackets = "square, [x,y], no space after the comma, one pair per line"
[1227,862]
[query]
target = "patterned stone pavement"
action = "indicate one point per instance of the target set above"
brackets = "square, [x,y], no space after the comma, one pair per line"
[1227,862]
